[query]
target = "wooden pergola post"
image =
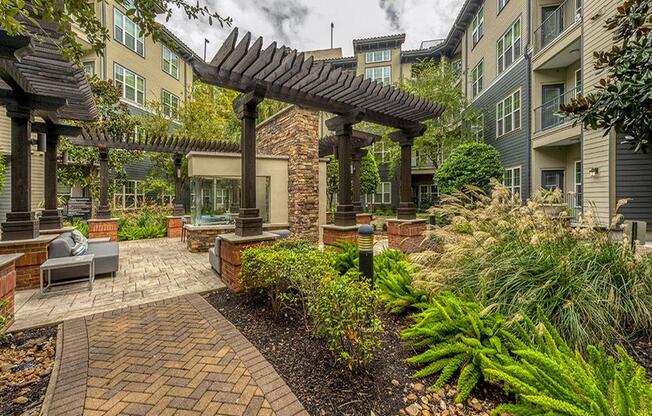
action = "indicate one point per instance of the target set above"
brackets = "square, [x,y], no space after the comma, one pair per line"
[342,125]
[51,218]
[179,209]
[103,211]
[249,223]
[21,222]
[357,166]
[405,138]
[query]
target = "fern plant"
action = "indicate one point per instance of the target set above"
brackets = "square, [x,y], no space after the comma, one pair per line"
[456,335]
[393,276]
[346,256]
[549,378]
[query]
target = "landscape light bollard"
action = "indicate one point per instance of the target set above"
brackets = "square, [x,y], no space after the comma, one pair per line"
[366,251]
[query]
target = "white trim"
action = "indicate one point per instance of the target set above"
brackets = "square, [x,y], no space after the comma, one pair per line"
[479,81]
[498,78]
[514,108]
[136,37]
[520,178]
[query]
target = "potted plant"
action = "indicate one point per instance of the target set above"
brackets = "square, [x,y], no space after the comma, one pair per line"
[551,201]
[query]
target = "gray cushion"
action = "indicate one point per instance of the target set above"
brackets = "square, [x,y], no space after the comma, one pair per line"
[59,247]
[106,261]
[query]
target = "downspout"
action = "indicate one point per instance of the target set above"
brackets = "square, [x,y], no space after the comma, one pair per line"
[584,181]
[528,82]
[104,75]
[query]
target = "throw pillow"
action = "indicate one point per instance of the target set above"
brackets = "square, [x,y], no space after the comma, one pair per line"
[78,250]
[78,237]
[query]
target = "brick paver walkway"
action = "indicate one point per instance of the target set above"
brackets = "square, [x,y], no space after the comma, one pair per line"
[150,270]
[173,357]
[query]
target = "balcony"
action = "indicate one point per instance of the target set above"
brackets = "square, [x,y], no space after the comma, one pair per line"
[557,39]
[547,116]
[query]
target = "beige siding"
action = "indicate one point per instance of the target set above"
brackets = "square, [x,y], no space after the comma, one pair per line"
[38,185]
[5,132]
[395,63]
[598,151]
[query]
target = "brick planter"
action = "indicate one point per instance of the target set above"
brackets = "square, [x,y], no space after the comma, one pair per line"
[406,235]
[35,252]
[8,286]
[175,226]
[363,218]
[231,248]
[103,228]
[199,238]
[334,233]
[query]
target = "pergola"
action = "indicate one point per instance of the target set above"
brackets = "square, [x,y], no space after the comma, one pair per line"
[359,141]
[36,80]
[283,74]
[178,146]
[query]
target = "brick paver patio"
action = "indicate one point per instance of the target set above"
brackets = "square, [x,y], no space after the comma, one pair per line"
[177,356]
[150,270]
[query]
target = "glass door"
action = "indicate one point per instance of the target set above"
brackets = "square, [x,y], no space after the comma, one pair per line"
[551,96]
[552,179]
[552,23]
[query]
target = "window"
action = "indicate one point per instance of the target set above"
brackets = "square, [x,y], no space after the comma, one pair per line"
[379,73]
[478,129]
[170,104]
[508,114]
[128,195]
[170,62]
[477,76]
[380,153]
[426,196]
[501,4]
[383,193]
[508,47]
[378,56]
[457,66]
[131,84]
[421,159]
[89,67]
[512,180]
[221,198]
[478,26]
[128,33]
[579,191]
[578,81]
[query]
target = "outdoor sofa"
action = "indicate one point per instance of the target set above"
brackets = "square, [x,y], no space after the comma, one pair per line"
[106,257]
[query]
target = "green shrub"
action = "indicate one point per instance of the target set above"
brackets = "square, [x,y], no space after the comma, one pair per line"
[150,222]
[82,226]
[469,164]
[393,278]
[346,256]
[550,378]
[455,335]
[287,271]
[344,314]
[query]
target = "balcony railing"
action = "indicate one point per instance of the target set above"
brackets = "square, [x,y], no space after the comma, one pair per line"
[563,17]
[548,116]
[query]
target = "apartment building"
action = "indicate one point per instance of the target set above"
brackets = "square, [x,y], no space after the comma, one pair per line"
[146,71]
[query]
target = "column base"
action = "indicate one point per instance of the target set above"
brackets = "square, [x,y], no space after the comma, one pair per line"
[344,216]
[363,218]
[51,219]
[332,234]
[102,228]
[357,207]
[406,235]
[175,226]
[406,211]
[179,210]
[103,213]
[20,226]
[231,247]
[249,223]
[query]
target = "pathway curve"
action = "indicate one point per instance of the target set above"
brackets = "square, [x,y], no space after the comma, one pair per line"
[172,357]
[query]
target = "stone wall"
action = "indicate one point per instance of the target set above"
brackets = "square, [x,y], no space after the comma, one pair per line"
[294,132]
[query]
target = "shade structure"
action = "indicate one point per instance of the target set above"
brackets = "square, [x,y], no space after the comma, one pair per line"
[283,74]
[359,139]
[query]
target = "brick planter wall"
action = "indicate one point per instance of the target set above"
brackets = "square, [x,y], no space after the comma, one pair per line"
[199,238]
[231,248]
[406,235]
[8,286]
[175,225]
[103,228]
[294,132]
[35,253]
[333,233]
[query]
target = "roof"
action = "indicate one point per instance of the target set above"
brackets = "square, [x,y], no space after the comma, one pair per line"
[377,42]
[41,73]
[184,50]
[283,74]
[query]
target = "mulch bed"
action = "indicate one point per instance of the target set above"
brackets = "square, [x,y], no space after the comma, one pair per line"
[641,350]
[324,387]
[26,361]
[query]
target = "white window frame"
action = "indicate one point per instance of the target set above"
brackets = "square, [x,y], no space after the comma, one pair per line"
[578,185]
[477,26]
[381,154]
[122,25]
[578,86]
[123,83]
[170,62]
[384,189]
[501,5]
[478,128]
[477,79]
[509,44]
[379,73]
[89,67]
[514,189]
[121,197]
[513,115]
[378,56]
[169,108]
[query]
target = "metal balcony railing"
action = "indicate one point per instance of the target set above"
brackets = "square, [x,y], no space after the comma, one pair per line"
[574,205]
[548,116]
[559,20]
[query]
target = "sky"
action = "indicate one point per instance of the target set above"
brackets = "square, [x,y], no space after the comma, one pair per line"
[305,24]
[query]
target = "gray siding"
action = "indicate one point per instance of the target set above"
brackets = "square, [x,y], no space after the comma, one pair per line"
[514,147]
[138,171]
[634,182]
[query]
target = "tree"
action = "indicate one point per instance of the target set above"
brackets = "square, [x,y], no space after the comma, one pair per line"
[623,99]
[66,14]
[470,164]
[332,179]
[369,177]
